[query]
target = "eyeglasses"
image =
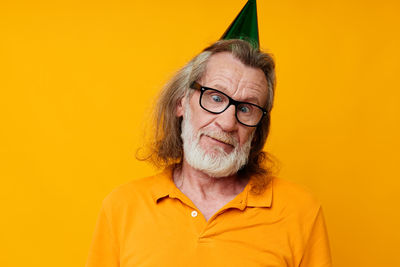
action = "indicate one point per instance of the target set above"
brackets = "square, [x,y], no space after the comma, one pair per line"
[216,102]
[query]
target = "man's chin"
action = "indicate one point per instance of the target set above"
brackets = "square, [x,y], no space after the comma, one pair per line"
[216,151]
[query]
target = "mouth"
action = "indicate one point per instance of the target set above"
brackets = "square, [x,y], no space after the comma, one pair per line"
[220,140]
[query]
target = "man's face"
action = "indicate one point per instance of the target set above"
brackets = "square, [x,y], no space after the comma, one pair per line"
[242,83]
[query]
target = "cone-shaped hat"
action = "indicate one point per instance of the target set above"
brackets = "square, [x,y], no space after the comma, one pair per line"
[245,25]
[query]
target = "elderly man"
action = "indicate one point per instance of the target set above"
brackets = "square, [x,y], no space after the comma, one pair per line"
[216,203]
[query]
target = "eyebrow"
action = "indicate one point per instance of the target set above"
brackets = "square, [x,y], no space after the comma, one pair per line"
[250,99]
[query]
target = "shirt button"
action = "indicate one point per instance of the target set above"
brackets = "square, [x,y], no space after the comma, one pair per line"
[194,213]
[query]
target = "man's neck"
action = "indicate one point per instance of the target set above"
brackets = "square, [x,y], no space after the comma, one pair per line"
[202,187]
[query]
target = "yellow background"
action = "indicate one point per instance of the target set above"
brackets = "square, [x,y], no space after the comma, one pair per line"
[77,80]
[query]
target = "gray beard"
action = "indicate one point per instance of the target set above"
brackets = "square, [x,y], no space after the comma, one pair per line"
[217,163]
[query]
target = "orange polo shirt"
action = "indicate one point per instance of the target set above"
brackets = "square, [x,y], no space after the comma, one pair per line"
[150,222]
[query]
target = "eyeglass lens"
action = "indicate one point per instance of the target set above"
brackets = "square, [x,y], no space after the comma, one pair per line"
[217,102]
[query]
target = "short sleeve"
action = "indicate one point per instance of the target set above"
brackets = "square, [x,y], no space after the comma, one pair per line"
[104,249]
[317,252]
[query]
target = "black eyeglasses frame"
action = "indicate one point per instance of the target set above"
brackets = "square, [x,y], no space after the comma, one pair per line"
[195,85]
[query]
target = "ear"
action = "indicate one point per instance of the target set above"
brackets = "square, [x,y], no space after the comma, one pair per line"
[180,107]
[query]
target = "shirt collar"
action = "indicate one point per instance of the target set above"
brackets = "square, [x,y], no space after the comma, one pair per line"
[263,198]
[164,186]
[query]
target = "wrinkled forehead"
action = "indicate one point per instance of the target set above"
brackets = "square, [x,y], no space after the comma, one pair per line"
[226,73]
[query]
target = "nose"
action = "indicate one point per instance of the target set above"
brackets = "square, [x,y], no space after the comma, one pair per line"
[227,120]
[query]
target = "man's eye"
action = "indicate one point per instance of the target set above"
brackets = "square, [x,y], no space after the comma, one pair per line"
[244,109]
[216,98]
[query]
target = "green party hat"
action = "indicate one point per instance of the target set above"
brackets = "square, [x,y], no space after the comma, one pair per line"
[245,25]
